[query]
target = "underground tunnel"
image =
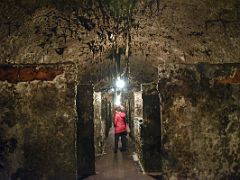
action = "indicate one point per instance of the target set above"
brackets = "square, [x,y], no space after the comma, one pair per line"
[179,66]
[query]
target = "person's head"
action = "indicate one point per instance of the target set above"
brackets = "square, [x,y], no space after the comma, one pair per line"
[122,108]
[117,108]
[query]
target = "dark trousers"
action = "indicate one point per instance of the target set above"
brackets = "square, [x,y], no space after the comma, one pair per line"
[123,136]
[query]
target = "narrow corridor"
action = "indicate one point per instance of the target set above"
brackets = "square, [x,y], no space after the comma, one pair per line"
[117,166]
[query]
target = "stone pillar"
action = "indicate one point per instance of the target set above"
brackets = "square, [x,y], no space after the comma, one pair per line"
[151,130]
[85,131]
[99,125]
[147,128]
[106,116]
[137,117]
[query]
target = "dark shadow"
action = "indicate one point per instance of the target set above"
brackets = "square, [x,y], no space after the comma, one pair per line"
[85,132]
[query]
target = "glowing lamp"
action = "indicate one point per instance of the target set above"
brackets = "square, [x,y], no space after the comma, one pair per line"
[120,83]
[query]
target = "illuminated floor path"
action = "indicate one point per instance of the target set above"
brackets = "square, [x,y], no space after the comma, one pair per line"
[117,166]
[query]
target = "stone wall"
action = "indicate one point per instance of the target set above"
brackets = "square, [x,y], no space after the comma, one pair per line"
[37,117]
[200,116]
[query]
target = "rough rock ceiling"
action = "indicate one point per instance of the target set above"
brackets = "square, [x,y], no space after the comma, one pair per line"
[90,33]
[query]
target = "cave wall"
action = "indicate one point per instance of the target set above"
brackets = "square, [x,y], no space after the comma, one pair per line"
[84,32]
[200,117]
[53,32]
[188,31]
[185,31]
[37,117]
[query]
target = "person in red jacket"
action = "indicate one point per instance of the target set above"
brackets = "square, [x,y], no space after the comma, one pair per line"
[120,128]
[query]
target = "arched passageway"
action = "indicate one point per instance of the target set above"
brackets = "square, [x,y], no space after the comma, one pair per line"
[143,116]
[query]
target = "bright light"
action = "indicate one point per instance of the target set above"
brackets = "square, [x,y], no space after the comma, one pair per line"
[120,83]
[117,101]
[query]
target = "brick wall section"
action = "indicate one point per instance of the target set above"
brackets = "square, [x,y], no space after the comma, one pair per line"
[15,74]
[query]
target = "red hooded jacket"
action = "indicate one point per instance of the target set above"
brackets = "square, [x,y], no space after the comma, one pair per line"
[120,122]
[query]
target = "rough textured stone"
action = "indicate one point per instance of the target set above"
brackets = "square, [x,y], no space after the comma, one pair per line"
[38,128]
[188,31]
[151,129]
[106,112]
[200,116]
[146,128]
[90,34]
[85,32]
[85,131]
[137,115]
[99,124]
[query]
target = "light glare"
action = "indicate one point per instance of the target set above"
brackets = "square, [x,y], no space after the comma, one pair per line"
[118,100]
[120,83]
